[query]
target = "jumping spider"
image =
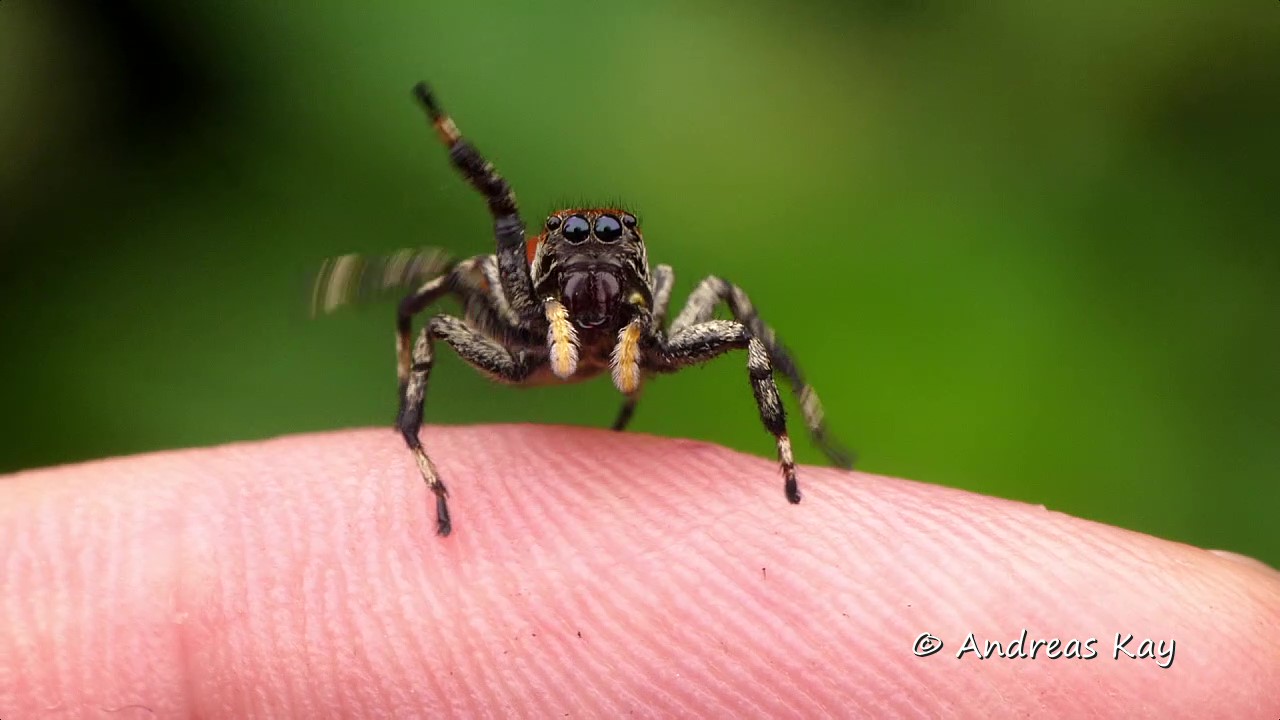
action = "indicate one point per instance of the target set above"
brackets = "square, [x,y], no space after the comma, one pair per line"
[572,301]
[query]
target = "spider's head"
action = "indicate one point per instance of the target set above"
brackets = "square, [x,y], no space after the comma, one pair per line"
[593,261]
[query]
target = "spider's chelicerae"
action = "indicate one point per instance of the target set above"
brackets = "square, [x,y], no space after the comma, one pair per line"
[572,301]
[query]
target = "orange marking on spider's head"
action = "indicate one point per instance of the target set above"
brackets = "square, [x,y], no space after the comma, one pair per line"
[531,246]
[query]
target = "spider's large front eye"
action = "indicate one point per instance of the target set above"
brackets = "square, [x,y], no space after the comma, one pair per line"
[576,229]
[608,228]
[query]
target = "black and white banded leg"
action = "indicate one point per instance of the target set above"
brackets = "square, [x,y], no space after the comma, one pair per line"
[703,341]
[700,308]
[508,228]
[476,350]
[471,281]
[664,278]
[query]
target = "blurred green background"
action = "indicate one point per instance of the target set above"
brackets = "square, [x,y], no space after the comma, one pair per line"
[1027,249]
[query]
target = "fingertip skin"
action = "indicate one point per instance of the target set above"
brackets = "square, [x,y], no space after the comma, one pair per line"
[594,574]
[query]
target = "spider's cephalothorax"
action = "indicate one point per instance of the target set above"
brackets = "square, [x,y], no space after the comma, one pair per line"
[589,268]
[594,261]
[573,301]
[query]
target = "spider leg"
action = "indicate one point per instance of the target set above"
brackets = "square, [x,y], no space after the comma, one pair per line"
[488,265]
[508,229]
[663,280]
[699,308]
[698,343]
[476,350]
[628,409]
[472,282]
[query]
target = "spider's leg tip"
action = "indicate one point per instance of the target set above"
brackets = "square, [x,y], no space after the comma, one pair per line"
[444,524]
[792,489]
[424,95]
[839,455]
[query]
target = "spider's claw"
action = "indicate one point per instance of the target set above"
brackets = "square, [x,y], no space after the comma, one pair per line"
[792,488]
[788,465]
[838,454]
[433,482]
[443,124]
[444,525]
[422,92]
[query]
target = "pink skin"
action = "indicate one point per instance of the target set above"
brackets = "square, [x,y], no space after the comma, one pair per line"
[591,574]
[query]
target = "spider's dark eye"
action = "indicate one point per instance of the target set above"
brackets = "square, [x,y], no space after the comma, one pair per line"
[608,228]
[576,229]
[629,220]
[553,222]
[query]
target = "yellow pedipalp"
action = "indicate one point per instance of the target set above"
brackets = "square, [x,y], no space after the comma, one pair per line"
[562,340]
[626,358]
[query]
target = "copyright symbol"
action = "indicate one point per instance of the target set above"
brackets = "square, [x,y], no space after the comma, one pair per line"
[926,645]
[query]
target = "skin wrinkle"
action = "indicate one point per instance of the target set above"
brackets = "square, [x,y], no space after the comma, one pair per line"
[68,603]
[567,575]
[311,546]
[676,540]
[741,614]
[589,475]
[413,575]
[680,592]
[297,538]
[483,638]
[92,602]
[816,556]
[414,653]
[867,617]
[271,545]
[694,580]
[972,545]
[603,630]
[634,596]
[905,528]
[387,618]
[321,586]
[471,622]
[11,605]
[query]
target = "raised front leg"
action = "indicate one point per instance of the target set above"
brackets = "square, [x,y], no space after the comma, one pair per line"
[476,350]
[702,303]
[699,343]
[508,229]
